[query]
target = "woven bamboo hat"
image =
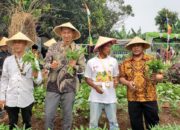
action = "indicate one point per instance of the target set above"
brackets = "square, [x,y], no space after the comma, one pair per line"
[137,40]
[50,42]
[20,36]
[58,30]
[3,41]
[102,41]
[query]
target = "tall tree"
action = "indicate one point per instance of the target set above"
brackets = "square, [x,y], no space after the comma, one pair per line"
[161,20]
[103,15]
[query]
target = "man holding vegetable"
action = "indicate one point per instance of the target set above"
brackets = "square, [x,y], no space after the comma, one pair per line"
[141,90]
[16,92]
[101,74]
[62,79]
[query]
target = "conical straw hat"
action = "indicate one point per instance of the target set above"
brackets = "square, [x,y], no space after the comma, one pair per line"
[3,41]
[20,36]
[137,40]
[50,42]
[58,30]
[103,40]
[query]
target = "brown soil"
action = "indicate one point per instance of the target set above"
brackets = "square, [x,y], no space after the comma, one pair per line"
[166,117]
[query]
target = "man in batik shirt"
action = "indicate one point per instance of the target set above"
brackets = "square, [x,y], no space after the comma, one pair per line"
[141,90]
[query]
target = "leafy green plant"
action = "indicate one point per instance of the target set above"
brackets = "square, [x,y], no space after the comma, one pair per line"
[81,105]
[121,94]
[4,127]
[168,92]
[155,66]
[166,127]
[38,108]
[74,55]
[29,57]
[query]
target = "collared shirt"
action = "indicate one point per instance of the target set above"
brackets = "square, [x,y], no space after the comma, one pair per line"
[17,89]
[58,52]
[136,71]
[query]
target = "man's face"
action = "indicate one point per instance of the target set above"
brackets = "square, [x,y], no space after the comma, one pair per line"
[67,35]
[137,49]
[19,46]
[106,49]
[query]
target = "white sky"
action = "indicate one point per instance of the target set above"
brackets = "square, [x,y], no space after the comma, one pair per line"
[146,10]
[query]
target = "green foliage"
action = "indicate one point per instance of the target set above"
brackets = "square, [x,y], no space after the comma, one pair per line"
[74,55]
[4,127]
[170,93]
[166,127]
[103,17]
[160,19]
[81,100]
[155,66]
[39,95]
[29,57]
[121,94]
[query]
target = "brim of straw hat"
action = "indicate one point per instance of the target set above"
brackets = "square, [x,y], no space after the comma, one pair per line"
[19,37]
[102,41]
[58,30]
[137,40]
[3,41]
[50,42]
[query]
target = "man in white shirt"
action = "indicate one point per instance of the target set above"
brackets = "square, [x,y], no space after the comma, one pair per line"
[101,75]
[16,91]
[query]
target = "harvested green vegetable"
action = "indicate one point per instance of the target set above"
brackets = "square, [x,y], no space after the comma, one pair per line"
[29,57]
[74,55]
[156,66]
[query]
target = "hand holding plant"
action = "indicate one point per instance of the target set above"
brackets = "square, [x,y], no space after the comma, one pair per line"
[73,56]
[29,57]
[155,69]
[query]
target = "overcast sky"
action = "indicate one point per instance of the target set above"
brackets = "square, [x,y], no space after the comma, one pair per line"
[146,10]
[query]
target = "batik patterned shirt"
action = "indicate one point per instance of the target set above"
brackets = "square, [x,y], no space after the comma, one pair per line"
[137,71]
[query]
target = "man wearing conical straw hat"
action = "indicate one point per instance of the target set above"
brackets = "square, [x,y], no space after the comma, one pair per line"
[17,82]
[61,86]
[141,91]
[101,75]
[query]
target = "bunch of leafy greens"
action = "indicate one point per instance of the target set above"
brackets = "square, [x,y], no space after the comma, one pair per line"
[156,66]
[74,55]
[29,57]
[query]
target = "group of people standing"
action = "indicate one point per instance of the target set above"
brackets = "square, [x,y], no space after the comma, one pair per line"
[102,73]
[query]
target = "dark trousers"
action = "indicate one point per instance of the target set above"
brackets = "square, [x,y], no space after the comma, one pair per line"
[13,116]
[139,109]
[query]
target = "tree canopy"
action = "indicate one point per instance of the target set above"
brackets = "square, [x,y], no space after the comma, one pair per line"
[104,14]
[161,19]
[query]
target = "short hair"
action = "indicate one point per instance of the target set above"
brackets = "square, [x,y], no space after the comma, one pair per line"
[35,47]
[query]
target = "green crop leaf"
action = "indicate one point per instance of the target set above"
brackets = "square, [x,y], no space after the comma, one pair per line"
[29,57]
[74,55]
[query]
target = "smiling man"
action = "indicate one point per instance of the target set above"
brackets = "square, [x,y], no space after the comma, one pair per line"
[16,90]
[56,62]
[141,91]
[101,75]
